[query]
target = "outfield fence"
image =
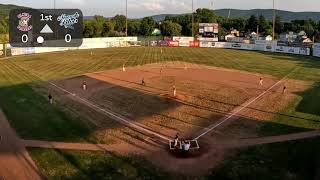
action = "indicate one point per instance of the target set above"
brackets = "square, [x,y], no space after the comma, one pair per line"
[107,42]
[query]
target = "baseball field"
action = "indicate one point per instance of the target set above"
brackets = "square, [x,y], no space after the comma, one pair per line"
[137,99]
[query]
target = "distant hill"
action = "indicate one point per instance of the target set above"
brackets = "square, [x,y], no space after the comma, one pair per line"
[268,13]
[6,8]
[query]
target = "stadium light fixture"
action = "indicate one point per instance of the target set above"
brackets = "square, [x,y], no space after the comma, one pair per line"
[274,20]
[126,18]
[192,19]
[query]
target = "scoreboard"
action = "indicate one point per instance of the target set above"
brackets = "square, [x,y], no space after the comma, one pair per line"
[208,29]
[45,28]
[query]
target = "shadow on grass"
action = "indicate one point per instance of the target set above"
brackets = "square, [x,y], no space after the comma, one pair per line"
[30,114]
[95,165]
[310,103]
[298,160]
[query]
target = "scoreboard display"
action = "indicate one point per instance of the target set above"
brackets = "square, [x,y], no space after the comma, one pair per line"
[45,28]
[208,29]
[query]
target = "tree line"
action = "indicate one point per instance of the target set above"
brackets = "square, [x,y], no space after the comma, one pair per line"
[182,25]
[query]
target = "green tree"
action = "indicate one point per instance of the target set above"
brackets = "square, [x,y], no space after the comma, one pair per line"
[147,26]
[252,23]
[263,24]
[134,28]
[88,30]
[279,26]
[108,27]
[169,28]
[120,23]
[205,16]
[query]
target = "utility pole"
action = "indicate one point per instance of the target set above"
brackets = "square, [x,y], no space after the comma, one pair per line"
[274,21]
[192,19]
[126,18]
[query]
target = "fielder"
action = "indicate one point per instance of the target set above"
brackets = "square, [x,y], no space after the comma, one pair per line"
[123,68]
[174,91]
[84,86]
[261,81]
[284,89]
[143,83]
[50,98]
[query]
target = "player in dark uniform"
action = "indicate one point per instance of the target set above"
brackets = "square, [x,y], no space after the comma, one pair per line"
[143,83]
[50,98]
[284,89]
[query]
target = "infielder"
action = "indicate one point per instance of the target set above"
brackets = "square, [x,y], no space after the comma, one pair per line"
[261,81]
[174,91]
[84,86]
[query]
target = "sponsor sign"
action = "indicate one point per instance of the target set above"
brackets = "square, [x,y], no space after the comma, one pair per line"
[163,43]
[208,39]
[173,43]
[194,43]
[316,50]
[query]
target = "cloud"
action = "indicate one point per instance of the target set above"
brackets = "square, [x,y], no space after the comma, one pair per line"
[75,2]
[159,6]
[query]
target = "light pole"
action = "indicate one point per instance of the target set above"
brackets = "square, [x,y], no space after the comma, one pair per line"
[126,18]
[54,4]
[274,21]
[192,19]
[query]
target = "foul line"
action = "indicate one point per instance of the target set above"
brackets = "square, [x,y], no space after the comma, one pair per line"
[244,106]
[135,125]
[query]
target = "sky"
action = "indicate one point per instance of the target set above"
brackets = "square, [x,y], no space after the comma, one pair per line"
[142,8]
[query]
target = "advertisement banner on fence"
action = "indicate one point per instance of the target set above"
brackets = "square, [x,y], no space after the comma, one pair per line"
[207,44]
[223,45]
[183,41]
[194,43]
[163,43]
[173,43]
[316,49]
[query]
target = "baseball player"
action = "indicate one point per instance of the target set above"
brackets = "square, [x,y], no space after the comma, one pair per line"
[84,86]
[123,68]
[143,83]
[176,140]
[50,98]
[284,89]
[174,91]
[261,81]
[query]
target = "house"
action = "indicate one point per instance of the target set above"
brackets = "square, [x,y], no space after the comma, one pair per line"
[235,32]
[229,36]
[288,37]
[156,32]
[266,38]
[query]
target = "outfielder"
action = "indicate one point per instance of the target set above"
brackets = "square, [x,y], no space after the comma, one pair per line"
[50,98]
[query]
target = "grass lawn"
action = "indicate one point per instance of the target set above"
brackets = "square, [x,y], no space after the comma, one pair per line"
[32,117]
[298,160]
[93,165]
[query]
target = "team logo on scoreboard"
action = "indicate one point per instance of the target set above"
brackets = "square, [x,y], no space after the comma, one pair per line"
[24,19]
[68,20]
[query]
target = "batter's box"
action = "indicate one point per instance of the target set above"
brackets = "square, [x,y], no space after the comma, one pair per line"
[193,145]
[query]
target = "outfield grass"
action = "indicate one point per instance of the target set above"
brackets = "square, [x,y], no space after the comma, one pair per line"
[56,164]
[298,160]
[32,117]
[72,63]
